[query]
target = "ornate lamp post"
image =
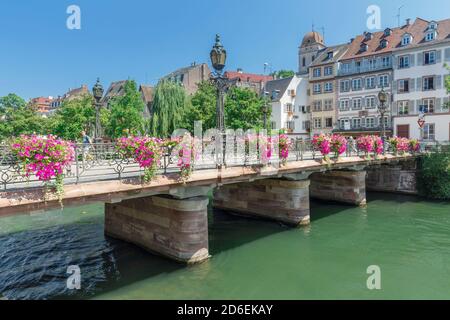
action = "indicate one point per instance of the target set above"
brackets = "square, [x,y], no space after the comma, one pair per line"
[218,57]
[97,90]
[265,108]
[382,109]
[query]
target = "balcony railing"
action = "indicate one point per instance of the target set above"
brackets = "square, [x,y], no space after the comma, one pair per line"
[353,69]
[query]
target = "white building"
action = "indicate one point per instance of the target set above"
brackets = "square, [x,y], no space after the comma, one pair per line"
[289,104]
[419,78]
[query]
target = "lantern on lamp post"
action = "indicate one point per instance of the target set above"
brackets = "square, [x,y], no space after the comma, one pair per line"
[382,110]
[97,91]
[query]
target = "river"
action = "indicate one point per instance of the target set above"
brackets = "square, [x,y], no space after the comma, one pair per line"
[407,237]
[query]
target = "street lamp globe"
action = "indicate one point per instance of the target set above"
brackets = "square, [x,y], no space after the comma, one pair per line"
[97,90]
[218,55]
[382,96]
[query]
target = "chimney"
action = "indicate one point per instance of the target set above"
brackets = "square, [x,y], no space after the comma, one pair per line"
[408,21]
[239,70]
[351,40]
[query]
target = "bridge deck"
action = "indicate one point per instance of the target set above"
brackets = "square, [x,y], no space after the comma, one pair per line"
[32,199]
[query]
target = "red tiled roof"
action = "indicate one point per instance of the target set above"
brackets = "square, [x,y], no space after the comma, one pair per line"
[416,29]
[247,77]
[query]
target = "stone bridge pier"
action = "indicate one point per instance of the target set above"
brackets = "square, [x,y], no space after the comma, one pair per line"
[173,225]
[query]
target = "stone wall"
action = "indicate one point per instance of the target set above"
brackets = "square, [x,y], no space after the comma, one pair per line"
[174,228]
[340,186]
[400,178]
[276,199]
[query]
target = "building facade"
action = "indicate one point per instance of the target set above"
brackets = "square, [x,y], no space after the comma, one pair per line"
[254,82]
[41,105]
[419,81]
[289,109]
[322,89]
[190,77]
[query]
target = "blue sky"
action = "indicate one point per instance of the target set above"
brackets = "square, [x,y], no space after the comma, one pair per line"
[145,39]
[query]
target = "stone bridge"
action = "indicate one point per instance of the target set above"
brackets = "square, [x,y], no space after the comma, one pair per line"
[169,217]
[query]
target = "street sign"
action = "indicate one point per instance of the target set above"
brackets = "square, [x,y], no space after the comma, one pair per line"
[421,123]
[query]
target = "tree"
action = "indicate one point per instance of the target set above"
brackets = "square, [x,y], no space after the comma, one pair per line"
[170,104]
[20,120]
[281,74]
[243,109]
[202,107]
[73,117]
[434,175]
[11,101]
[126,112]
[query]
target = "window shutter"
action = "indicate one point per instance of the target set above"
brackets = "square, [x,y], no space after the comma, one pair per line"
[411,59]
[420,58]
[438,56]
[447,54]
[394,87]
[439,104]
[418,103]
[445,103]
[395,62]
[412,85]
[412,107]
[438,82]
[419,84]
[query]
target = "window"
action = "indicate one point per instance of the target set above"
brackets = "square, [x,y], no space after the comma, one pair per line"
[356,103]
[403,62]
[356,84]
[344,105]
[288,107]
[428,105]
[317,105]
[303,62]
[387,32]
[306,125]
[370,82]
[344,124]
[330,55]
[430,36]
[317,72]
[406,39]
[328,104]
[386,62]
[383,43]
[328,71]
[317,123]
[345,85]
[275,94]
[346,67]
[370,102]
[273,125]
[371,63]
[370,122]
[328,87]
[403,85]
[317,88]
[428,83]
[403,107]
[429,57]
[328,122]
[383,81]
[290,125]
[363,47]
[428,131]
[356,123]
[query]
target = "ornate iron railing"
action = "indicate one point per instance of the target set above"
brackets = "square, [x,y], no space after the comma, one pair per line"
[100,162]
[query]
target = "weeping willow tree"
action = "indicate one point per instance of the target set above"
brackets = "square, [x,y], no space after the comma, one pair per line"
[170,103]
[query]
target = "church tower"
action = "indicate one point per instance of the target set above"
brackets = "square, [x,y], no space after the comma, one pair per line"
[312,44]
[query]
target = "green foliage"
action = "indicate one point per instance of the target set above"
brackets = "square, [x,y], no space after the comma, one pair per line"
[11,101]
[126,113]
[73,117]
[281,74]
[434,175]
[170,104]
[20,120]
[243,109]
[202,108]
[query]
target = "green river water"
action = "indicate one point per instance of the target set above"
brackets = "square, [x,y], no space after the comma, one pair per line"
[407,237]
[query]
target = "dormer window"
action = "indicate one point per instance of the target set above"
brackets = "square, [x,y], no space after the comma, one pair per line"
[368,36]
[432,25]
[330,55]
[406,39]
[387,32]
[384,43]
[431,35]
[363,47]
